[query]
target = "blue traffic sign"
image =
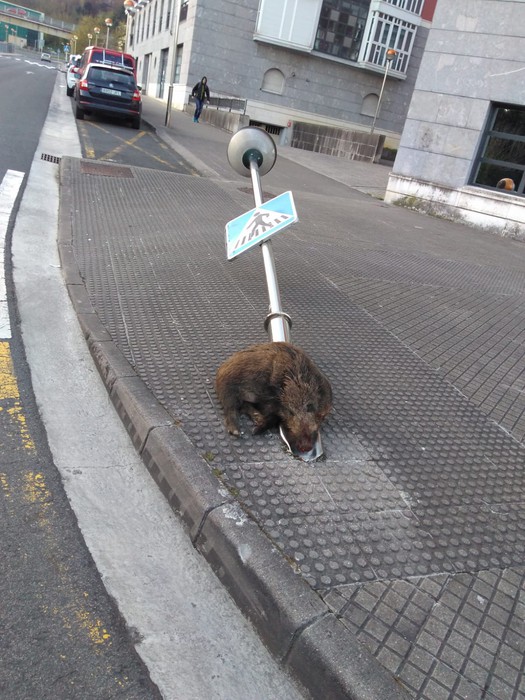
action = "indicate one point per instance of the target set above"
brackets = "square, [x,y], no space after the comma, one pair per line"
[258,224]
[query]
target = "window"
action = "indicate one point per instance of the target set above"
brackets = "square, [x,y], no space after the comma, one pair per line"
[288,22]
[369,105]
[387,32]
[351,30]
[102,75]
[414,6]
[502,152]
[340,29]
[154,19]
[183,14]
[273,81]
[178,63]
[168,14]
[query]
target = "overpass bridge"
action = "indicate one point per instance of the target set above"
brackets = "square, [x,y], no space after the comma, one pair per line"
[17,16]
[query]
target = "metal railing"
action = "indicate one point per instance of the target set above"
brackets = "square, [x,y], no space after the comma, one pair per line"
[59,24]
[231,104]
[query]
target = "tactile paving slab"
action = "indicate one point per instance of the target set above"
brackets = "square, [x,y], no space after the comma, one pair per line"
[419,482]
[446,636]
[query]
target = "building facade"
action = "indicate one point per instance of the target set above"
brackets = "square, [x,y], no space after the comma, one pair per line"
[316,61]
[462,151]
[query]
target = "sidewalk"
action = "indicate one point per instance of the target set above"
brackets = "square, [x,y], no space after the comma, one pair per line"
[186,138]
[394,567]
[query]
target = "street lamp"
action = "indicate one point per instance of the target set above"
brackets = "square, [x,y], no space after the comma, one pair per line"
[109,23]
[89,36]
[74,40]
[390,55]
[96,30]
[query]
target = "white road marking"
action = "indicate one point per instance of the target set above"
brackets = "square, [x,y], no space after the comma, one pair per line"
[9,189]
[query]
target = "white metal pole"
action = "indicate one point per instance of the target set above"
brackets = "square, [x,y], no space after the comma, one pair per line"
[380,97]
[278,322]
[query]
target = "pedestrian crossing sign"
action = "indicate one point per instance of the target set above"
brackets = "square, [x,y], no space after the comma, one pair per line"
[258,224]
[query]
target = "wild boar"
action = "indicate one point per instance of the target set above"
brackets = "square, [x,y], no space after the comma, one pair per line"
[275,384]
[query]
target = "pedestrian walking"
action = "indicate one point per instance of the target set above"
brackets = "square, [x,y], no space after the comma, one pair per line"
[200,92]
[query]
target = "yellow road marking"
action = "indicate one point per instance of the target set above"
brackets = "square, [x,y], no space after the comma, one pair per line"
[35,491]
[4,485]
[130,143]
[88,148]
[96,631]
[8,383]
[16,412]
[9,391]
[123,145]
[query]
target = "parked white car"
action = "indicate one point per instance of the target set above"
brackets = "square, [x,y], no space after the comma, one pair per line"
[45,57]
[72,74]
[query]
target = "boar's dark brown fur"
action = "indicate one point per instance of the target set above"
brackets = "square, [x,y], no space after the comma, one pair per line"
[275,384]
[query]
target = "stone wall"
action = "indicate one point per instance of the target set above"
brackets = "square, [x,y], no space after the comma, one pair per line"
[352,145]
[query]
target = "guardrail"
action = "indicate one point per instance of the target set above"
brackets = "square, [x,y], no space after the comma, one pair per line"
[59,24]
[231,104]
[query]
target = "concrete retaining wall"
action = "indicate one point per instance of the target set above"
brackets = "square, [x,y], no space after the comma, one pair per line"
[352,145]
[493,211]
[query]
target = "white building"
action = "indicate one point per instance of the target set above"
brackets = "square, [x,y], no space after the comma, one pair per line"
[465,130]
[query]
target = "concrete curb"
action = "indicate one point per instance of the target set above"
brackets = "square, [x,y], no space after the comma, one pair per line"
[293,621]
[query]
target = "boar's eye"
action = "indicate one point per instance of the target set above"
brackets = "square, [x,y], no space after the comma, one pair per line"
[310,408]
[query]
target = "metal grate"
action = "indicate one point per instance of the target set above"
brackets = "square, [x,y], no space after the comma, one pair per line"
[270,128]
[50,158]
[88,167]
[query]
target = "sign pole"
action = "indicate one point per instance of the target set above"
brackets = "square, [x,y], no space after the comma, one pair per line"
[277,323]
[252,153]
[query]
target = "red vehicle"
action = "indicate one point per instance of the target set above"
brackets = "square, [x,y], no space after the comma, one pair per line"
[98,54]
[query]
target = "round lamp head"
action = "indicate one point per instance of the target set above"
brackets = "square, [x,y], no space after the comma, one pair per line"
[391,54]
[251,144]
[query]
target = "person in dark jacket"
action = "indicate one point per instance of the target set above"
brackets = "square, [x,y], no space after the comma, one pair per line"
[200,92]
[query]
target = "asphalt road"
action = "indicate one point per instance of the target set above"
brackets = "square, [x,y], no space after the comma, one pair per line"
[113,141]
[62,635]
